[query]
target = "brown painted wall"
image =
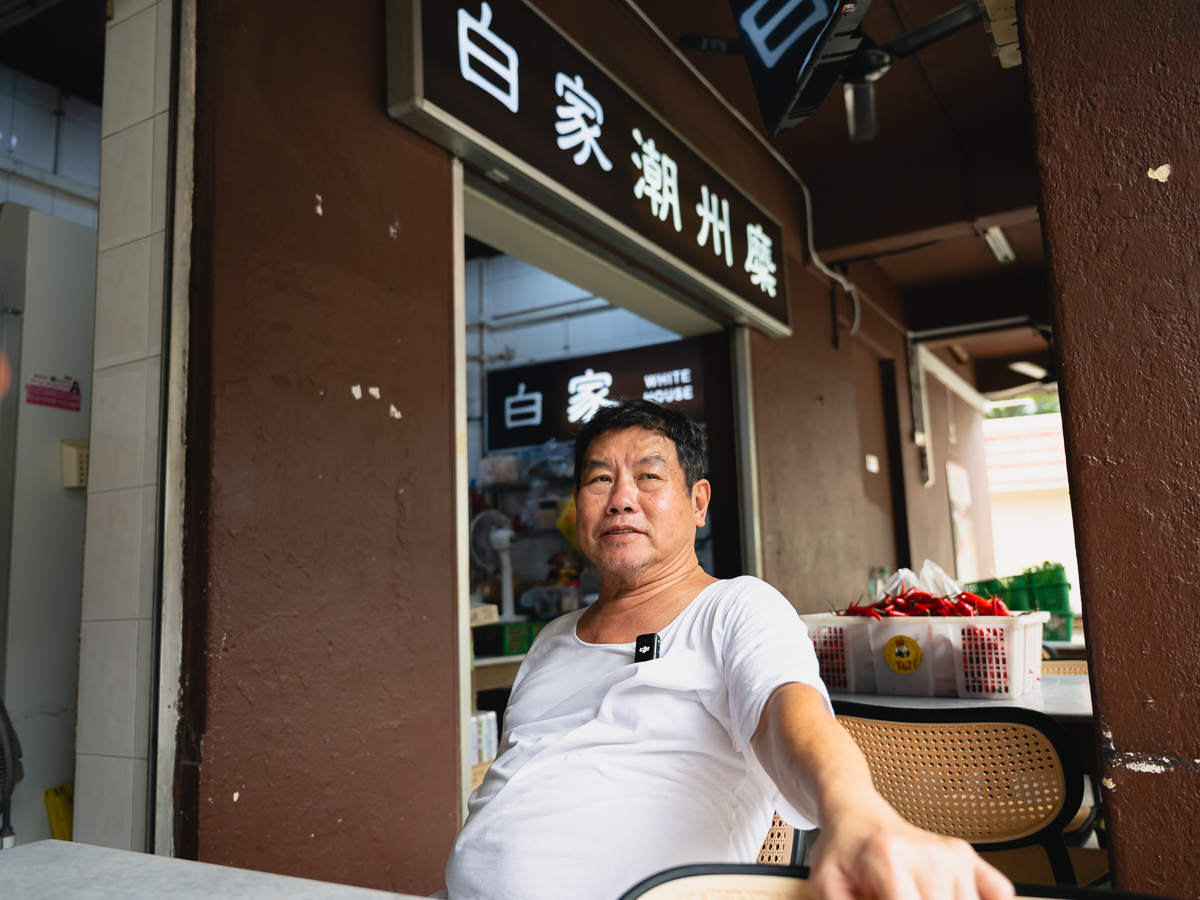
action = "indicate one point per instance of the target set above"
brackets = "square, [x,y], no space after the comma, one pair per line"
[321,594]
[825,526]
[321,679]
[1114,94]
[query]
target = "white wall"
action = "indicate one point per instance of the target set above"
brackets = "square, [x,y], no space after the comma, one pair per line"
[112,739]
[49,149]
[1032,527]
[51,263]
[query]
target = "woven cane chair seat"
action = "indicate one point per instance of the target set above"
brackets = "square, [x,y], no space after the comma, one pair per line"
[777,848]
[1064,667]
[725,882]
[982,782]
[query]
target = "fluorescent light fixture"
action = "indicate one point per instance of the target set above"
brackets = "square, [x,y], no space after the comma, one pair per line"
[999,243]
[1033,370]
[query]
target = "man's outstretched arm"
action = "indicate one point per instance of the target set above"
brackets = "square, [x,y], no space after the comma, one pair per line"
[866,849]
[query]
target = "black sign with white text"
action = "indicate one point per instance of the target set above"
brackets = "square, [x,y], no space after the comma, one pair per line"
[528,405]
[497,83]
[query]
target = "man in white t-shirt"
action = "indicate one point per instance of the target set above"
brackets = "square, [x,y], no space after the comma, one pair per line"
[663,725]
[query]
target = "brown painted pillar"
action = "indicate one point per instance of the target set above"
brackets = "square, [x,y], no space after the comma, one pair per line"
[321,702]
[1116,92]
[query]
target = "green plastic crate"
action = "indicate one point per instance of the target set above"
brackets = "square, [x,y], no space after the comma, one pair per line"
[991,587]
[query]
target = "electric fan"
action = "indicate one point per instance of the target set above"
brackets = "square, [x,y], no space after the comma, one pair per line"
[491,539]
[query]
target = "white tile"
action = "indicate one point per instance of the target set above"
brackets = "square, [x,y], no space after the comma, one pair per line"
[141,705]
[125,193]
[137,821]
[33,131]
[103,809]
[123,293]
[118,427]
[162,66]
[81,212]
[158,245]
[129,59]
[112,555]
[31,194]
[37,92]
[79,153]
[151,435]
[149,549]
[123,9]
[82,112]
[158,188]
[107,687]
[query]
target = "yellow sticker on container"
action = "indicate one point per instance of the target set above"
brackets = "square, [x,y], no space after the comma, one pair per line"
[903,654]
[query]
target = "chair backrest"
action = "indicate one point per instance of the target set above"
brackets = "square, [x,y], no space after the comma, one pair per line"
[725,882]
[986,775]
[1064,667]
[777,849]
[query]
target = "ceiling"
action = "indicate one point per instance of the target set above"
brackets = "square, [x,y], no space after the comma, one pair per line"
[954,154]
[58,42]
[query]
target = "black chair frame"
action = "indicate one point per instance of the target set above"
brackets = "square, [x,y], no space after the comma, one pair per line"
[1050,836]
[800,872]
[1046,891]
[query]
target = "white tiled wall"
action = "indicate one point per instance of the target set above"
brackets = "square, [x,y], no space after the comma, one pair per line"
[112,735]
[49,149]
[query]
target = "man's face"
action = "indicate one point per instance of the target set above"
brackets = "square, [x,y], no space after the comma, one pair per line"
[634,511]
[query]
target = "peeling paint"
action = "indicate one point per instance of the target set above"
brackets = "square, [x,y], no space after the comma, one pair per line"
[320,211]
[1139,765]
[1144,762]
[356,390]
[374,392]
[1108,783]
[1162,173]
[236,794]
[393,412]
[394,229]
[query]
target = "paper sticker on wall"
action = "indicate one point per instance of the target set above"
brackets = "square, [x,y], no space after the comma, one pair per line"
[54,391]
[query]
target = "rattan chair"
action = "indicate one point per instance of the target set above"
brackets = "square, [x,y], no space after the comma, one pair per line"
[784,845]
[1006,780]
[726,882]
[1064,667]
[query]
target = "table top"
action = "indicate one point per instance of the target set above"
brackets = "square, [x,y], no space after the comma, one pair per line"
[1065,698]
[58,870]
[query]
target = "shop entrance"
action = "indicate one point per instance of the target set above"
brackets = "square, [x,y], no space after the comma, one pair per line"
[553,331]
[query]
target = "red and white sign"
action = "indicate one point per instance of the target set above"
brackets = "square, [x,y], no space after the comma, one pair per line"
[53,391]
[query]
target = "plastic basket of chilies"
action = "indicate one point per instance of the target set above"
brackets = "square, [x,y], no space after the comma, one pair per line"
[925,637]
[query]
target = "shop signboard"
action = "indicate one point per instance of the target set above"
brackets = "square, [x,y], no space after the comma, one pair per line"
[498,84]
[529,405]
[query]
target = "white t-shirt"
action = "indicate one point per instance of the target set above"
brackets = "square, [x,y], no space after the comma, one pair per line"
[610,771]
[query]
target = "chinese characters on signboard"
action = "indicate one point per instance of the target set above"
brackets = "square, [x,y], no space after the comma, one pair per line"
[512,85]
[528,405]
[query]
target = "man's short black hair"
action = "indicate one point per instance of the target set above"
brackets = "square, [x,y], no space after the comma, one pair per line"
[670,423]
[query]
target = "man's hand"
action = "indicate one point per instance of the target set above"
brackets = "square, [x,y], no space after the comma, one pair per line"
[866,850]
[893,860]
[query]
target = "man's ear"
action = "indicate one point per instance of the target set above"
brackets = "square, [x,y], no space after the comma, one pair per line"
[701,495]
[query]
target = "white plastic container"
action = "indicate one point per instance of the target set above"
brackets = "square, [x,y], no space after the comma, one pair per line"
[988,657]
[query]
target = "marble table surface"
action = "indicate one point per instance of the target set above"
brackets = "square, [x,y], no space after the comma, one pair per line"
[1065,698]
[58,870]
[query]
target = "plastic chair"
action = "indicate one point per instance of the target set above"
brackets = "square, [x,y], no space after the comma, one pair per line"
[1006,780]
